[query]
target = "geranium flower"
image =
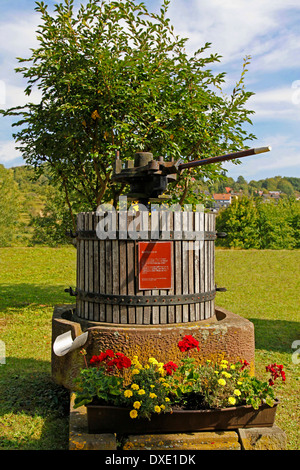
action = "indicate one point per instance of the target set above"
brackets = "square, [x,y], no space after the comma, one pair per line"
[187,343]
[170,367]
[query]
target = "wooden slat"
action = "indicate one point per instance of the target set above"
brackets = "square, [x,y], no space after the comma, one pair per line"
[96,316]
[171,308]
[178,265]
[116,278]
[102,274]
[123,277]
[197,264]
[185,267]
[206,270]
[108,277]
[155,228]
[202,262]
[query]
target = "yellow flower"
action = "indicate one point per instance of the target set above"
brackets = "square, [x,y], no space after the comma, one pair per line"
[137,405]
[237,392]
[141,392]
[223,366]
[239,382]
[152,360]
[216,372]
[222,382]
[135,372]
[152,386]
[231,400]
[157,409]
[161,379]
[152,395]
[224,361]
[226,374]
[162,407]
[128,393]
[133,414]
[135,387]
[165,384]
[232,366]
[136,363]
[167,399]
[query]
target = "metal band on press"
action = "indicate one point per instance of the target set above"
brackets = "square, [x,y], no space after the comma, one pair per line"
[143,300]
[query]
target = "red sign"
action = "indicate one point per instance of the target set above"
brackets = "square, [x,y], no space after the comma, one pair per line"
[155,265]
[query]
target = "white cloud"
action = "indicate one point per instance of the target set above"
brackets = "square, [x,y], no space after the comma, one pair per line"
[8,152]
[284,160]
[279,103]
[237,28]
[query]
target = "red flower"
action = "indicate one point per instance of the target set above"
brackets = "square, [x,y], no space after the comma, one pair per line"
[276,371]
[122,361]
[170,367]
[244,364]
[110,359]
[187,343]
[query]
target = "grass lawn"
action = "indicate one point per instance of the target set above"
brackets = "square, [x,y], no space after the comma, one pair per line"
[262,286]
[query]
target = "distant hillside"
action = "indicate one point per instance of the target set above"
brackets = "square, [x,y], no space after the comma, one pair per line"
[33,211]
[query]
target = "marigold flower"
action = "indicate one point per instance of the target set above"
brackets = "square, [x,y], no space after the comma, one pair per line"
[167,399]
[152,395]
[222,382]
[231,400]
[237,392]
[157,409]
[141,392]
[226,374]
[137,405]
[135,387]
[135,372]
[133,414]
[152,360]
[128,393]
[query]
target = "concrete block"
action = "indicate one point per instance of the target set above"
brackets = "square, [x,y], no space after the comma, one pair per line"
[223,440]
[80,439]
[272,438]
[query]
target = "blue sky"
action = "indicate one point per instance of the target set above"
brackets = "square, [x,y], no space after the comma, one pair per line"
[266,30]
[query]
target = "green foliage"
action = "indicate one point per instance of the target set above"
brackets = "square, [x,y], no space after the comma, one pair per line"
[95,383]
[218,385]
[114,76]
[10,207]
[254,223]
[50,227]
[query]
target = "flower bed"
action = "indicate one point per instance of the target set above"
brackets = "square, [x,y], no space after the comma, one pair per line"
[121,390]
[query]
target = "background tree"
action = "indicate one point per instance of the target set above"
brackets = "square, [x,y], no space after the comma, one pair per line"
[240,222]
[9,207]
[114,76]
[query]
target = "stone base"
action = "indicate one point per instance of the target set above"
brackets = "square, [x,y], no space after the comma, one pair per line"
[272,438]
[224,336]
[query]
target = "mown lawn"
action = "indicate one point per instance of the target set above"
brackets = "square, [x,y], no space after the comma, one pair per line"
[262,286]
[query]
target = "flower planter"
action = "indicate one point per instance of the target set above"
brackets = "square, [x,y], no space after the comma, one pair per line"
[110,419]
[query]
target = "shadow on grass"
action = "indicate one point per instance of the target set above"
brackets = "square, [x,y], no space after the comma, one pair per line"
[26,391]
[21,295]
[275,335]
